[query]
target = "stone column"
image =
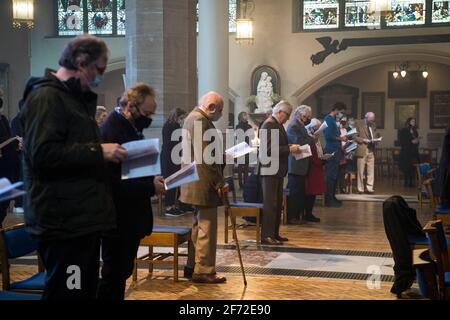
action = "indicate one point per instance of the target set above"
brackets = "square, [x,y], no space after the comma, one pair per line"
[213,51]
[162,51]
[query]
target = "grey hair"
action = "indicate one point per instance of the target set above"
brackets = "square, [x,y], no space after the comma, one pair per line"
[368,113]
[314,122]
[282,106]
[301,110]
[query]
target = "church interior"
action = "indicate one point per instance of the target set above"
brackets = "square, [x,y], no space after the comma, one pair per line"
[389,58]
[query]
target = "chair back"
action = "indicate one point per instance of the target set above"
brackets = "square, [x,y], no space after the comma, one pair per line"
[438,247]
[16,242]
[231,187]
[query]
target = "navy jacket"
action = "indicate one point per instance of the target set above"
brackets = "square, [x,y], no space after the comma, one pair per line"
[331,133]
[132,197]
[297,134]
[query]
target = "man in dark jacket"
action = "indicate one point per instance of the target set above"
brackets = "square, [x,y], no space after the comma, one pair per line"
[298,169]
[68,201]
[132,197]
[274,139]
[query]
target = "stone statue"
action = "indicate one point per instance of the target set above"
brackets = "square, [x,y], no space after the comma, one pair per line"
[264,94]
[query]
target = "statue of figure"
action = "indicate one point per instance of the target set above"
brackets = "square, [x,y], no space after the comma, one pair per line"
[264,93]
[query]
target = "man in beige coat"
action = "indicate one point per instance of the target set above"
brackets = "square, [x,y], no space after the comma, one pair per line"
[367,132]
[206,193]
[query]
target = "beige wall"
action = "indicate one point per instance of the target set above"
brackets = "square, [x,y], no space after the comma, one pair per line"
[374,79]
[14,50]
[276,45]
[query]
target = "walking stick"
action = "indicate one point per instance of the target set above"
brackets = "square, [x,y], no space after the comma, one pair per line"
[238,248]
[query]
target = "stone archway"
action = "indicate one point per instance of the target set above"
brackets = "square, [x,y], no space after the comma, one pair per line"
[365,61]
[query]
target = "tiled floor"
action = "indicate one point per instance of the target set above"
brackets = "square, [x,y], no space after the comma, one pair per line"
[348,241]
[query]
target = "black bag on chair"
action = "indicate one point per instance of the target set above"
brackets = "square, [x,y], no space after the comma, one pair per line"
[400,223]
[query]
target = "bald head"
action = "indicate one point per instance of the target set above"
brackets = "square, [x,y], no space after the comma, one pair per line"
[370,116]
[212,104]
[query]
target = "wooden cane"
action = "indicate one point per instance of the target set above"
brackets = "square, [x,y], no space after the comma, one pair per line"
[238,248]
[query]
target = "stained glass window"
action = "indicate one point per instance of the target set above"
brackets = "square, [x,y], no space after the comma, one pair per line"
[70,17]
[361,13]
[440,12]
[100,16]
[320,14]
[121,17]
[232,14]
[406,13]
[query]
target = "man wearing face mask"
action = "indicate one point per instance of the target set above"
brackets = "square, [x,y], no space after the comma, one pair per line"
[298,169]
[132,197]
[207,193]
[68,203]
[333,142]
[367,131]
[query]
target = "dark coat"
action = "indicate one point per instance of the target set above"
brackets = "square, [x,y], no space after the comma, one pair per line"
[8,154]
[442,186]
[297,134]
[132,197]
[65,174]
[272,125]
[409,152]
[400,224]
[244,126]
[168,167]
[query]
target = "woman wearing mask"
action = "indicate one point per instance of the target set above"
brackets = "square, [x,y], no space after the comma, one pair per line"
[315,179]
[409,154]
[168,167]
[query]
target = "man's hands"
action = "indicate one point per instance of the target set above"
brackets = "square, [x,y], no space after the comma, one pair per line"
[114,152]
[342,139]
[295,149]
[158,183]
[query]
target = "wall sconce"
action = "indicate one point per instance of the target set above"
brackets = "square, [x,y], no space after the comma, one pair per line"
[244,24]
[23,13]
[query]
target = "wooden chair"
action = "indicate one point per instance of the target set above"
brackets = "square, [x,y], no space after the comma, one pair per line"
[424,172]
[349,178]
[396,173]
[241,209]
[426,273]
[15,242]
[163,236]
[438,246]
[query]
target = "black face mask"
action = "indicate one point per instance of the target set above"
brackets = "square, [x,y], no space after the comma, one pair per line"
[343,123]
[142,122]
[1,103]
[307,122]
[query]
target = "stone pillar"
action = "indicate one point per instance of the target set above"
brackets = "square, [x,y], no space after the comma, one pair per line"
[162,51]
[213,52]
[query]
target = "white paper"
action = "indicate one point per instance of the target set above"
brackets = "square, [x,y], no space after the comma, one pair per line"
[239,150]
[143,159]
[186,175]
[9,191]
[327,156]
[351,147]
[322,127]
[377,139]
[305,152]
[351,132]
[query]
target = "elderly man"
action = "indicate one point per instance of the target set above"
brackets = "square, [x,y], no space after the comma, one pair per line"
[274,138]
[207,193]
[367,132]
[68,202]
[298,169]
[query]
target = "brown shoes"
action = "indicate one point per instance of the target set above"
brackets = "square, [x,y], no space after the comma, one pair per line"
[271,241]
[207,278]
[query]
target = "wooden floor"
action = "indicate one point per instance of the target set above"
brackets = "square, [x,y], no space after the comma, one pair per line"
[354,226]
